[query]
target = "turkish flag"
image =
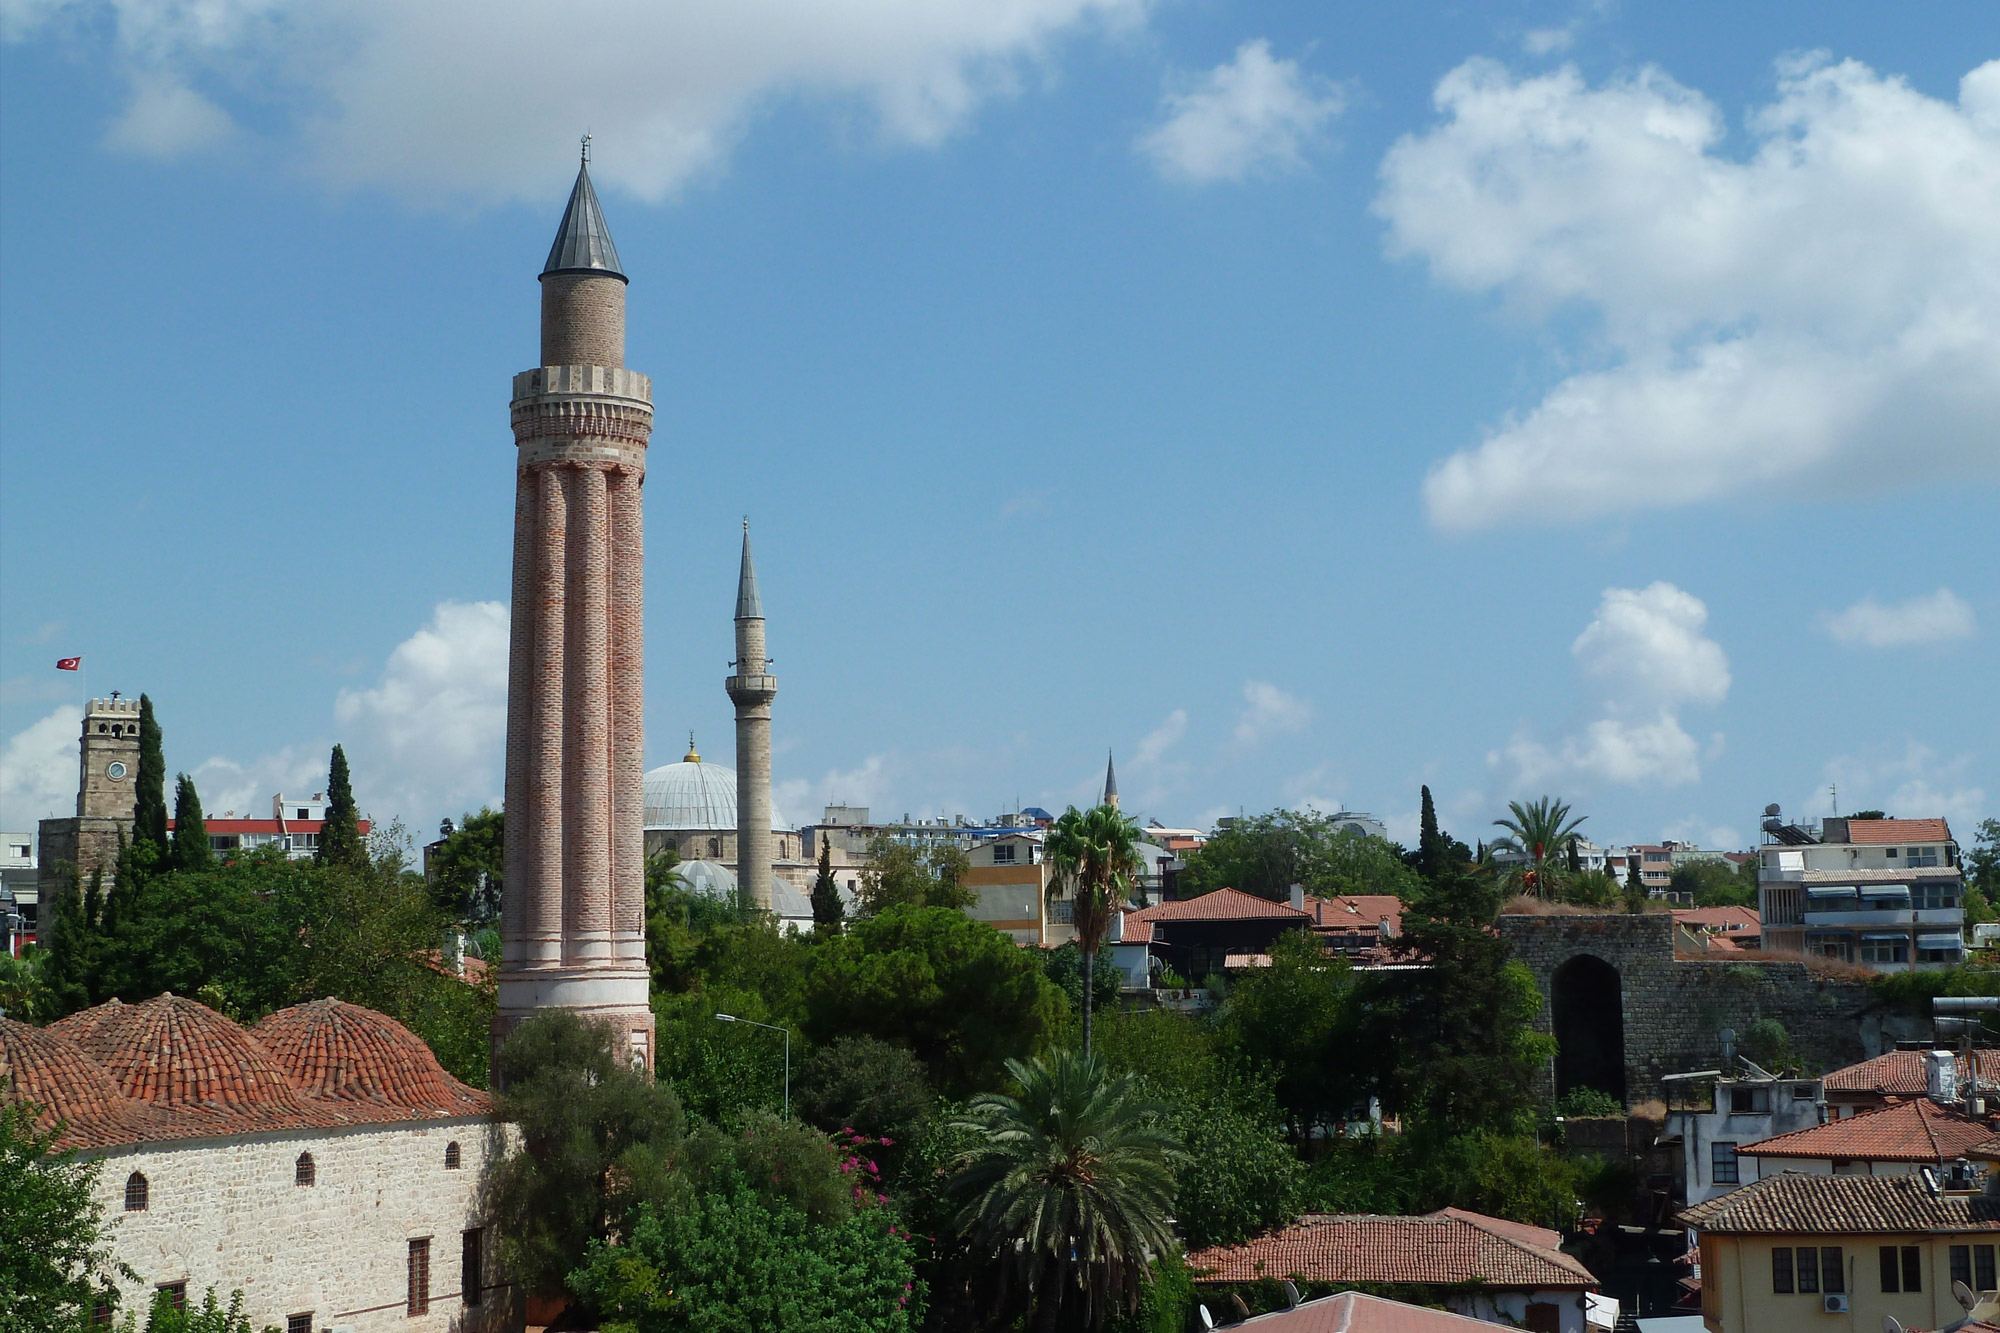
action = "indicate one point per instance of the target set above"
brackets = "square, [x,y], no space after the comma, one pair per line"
[69,664]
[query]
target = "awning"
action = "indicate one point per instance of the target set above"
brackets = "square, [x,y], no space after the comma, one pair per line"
[1941,942]
[1830,891]
[1901,891]
[1888,935]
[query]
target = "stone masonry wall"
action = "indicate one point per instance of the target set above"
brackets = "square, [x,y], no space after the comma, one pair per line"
[226,1213]
[1674,1008]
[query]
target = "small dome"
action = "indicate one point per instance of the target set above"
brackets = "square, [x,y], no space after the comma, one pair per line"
[711,879]
[341,1052]
[43,1066]
[178,1053]
[692,796]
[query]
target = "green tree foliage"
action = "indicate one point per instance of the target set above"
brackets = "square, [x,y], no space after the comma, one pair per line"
[597,1138]
[1166,1305]
[340,837]
[1591,888]
[468,868]
[56,1262]
[1295,1023]
[1430,1167]
[1064,967]
[211,1316]
[1094,865]
[1543,832]
[960,995]
[1465,1053]
[898,875]
[1267,854]
[149,790]
[1068,1189]
[828,909]
[1716,883]
[25,991]
[191,850]
[866,1084]
[732,1262]
[1982,873]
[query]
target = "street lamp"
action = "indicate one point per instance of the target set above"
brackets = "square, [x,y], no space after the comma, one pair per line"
[770,1027]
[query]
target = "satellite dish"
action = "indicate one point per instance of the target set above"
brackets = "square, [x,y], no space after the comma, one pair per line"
[1891,1324]
[1963,1295]
[1291,1294]
[1207,1319]
[1771,809]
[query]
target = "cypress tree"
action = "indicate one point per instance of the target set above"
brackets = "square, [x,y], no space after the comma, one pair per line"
[340,839]
[828,910]
[191,850]
[1430,846]
[1633,884]
[149,821]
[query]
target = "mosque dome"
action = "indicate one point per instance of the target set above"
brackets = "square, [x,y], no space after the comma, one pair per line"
[178,1053]
[692,796]
[49,1070]
[711,879]
[341,1052]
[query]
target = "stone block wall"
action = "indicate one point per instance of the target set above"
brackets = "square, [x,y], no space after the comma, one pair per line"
[227,1213]
[1674,1008]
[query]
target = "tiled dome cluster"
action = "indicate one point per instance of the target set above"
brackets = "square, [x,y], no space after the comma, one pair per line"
[173,1068]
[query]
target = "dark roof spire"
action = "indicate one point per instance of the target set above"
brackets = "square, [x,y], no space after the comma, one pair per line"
[583,242]
[1110,781]
[749,606]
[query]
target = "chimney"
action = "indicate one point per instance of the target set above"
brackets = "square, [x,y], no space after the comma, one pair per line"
[1298,897]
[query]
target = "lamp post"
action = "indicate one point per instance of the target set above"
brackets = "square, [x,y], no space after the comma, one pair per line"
[770,1027]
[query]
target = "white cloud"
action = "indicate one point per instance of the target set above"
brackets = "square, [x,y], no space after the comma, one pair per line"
[245,789]
[1647,656]
[38,770]
[1814,318]
[483,99]
[1269,711]
[1160,739]
[1917,784]
[1251,116]
[802,801]
[432,731]
[1938,618]
[167,120]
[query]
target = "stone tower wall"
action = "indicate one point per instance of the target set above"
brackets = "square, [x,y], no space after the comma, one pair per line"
[72,849]
[1674,1008]
[583,320]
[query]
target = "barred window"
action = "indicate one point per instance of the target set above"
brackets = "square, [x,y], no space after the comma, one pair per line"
[1982,1268]
[305,1173]
[1833,1272]
[420,1276]
[299,1323]
[1808,1269]
[1961,1264]
[1722,1164]
[1781,1270]
[451,1157]
[176,1294]
[135,1193]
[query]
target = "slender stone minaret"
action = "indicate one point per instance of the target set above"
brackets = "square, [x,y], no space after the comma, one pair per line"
[751,689]
[1110,782]
[573,919]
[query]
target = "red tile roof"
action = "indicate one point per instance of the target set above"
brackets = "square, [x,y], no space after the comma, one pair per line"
[1914,1131]
[1884,831]
[1221,905]
[1793,1204]
[1901,1074]
[171,1068]
[1742,921]
[1355,912]
[1448,1247]
[1357,1312]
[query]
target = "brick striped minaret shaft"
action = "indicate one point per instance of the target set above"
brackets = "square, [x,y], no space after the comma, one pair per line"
[573,915]
[751,689]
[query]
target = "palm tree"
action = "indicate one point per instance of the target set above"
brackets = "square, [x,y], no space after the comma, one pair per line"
[1543,832]
[1093,857]
[1070,1187]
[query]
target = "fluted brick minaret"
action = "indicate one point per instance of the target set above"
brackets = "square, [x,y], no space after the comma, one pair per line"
[751,689]
[573,919]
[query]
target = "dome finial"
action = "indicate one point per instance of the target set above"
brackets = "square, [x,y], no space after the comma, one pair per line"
[691,757]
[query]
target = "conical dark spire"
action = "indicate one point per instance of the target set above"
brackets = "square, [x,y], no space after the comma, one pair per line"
[749,606]
[1110,781]
[583,242]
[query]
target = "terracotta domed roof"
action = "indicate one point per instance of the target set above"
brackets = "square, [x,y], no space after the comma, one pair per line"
[340,1052]
[79,1025]
[42,1066]
[178,1053]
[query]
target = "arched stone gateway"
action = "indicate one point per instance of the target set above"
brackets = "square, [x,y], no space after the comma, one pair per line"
[1587,1005]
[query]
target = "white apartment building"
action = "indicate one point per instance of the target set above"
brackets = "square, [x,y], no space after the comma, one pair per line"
[1885,893]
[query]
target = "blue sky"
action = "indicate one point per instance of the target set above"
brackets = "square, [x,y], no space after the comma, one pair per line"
[1305,402]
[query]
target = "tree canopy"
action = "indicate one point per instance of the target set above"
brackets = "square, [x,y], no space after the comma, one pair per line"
[1266,854]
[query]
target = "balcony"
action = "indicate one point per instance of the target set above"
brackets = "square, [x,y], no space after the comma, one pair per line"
[1949,918]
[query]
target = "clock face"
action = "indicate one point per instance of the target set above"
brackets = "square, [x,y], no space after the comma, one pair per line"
[115,771]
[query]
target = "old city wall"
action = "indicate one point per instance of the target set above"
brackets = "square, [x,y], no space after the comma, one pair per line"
[1673,1008]
[226,1213]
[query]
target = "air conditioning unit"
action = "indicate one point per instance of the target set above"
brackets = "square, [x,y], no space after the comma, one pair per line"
[1836,1303]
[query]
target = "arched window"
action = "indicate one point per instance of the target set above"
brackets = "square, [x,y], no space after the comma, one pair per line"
[451,1155]
[714,847]
[101,728]
[304,1173]
[135,1193]
[674,846]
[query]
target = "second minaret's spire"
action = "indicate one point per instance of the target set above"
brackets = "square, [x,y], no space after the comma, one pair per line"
[751,689]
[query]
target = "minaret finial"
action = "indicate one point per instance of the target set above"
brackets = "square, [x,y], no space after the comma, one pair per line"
[586,148]
[691,757]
